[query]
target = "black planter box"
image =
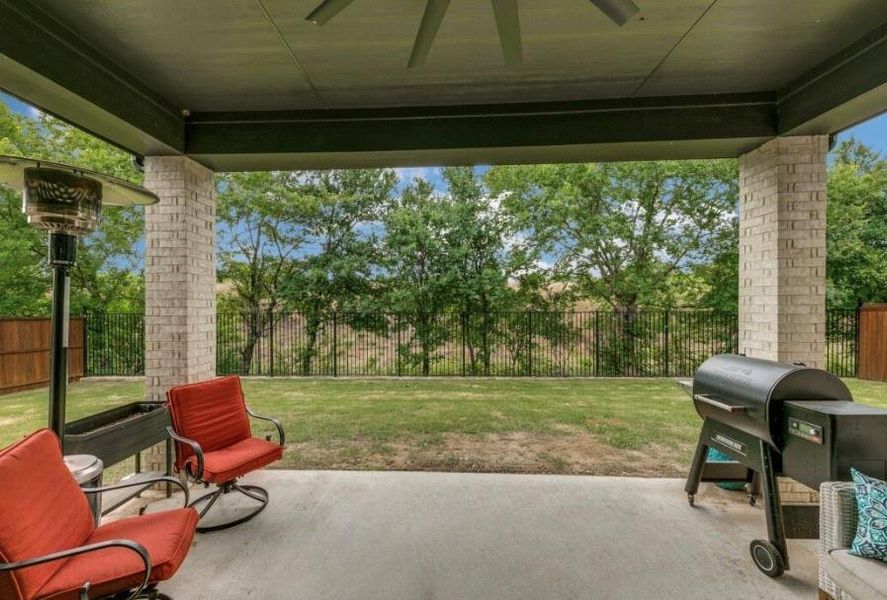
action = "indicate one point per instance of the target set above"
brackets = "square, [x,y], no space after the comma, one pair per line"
[116,434]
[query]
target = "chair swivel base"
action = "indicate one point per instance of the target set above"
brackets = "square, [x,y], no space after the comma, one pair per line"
[149,593]
[255,492]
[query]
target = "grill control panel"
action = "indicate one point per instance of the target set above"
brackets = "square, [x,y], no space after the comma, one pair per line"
[805,430]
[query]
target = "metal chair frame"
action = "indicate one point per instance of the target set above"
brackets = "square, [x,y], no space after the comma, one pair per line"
[255,492]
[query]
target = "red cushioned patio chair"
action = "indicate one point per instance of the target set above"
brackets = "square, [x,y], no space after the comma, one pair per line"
[50,547]
[214,443]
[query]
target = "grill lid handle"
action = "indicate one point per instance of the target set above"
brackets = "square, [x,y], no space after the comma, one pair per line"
[718,403]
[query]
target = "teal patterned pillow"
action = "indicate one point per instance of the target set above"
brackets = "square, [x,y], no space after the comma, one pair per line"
[871,503]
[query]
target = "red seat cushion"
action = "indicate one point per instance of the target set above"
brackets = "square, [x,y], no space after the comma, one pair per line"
[42,510]
[212,413]
[238,459]
[166,535]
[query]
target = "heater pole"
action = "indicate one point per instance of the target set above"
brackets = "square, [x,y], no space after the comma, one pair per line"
[62,256]
[67,202]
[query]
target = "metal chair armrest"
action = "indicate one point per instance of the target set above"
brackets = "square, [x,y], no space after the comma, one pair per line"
[128,544]
[143,482]
[280,433]
[198,452]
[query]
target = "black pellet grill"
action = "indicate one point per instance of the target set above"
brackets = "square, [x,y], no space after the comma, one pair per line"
[781,419]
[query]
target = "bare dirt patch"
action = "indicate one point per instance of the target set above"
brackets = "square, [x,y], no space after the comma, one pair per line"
[573,453]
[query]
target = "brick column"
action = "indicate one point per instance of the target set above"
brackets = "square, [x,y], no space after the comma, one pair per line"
[782,204]
[782,191]
[180,278]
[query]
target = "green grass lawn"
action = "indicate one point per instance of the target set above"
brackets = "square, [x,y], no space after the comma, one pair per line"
[599,426]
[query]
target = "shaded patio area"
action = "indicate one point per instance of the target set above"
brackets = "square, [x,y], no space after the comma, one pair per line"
[368,535]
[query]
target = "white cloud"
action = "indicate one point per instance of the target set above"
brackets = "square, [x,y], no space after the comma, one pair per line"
[407,174]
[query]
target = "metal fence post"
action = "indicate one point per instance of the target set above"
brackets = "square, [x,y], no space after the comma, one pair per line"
[85,324]
[397,349]
[856,325]
[335,345]
[666,324]
[271,344]
[597,345]
[529,343]
[464,323]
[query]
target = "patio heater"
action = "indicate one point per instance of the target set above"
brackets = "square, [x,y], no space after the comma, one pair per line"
[67,202]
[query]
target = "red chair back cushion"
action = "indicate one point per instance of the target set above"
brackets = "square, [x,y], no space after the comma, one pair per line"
[212,413]
[42,510]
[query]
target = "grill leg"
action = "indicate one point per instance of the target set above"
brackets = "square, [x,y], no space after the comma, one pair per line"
[695,475]
[772,505]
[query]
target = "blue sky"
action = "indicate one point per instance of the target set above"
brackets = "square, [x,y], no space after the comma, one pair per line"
[872,133]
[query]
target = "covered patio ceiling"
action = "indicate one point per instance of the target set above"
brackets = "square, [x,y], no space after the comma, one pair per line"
[250,84]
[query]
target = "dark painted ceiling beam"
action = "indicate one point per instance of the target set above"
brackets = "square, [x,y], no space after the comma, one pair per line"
[849,87]
[489,126]
[43,62]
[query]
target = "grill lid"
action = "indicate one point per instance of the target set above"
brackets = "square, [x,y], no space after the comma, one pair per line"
[747,393]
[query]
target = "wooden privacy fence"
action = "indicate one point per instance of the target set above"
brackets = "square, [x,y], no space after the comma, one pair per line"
[24,352]
[873,342]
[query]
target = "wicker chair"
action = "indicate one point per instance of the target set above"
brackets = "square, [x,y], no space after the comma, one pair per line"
[839,572]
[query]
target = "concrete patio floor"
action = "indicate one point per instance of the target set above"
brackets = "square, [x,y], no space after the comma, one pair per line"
[394,535]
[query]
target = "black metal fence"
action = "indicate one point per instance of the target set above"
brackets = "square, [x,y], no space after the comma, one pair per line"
[842,341]
[531,343]
[115,344]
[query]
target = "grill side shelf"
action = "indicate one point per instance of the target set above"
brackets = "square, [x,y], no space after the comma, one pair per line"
[720,403]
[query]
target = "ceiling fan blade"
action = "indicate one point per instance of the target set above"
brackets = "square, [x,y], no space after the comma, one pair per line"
[619,11]
[431,19]
[508,24]
[327,10]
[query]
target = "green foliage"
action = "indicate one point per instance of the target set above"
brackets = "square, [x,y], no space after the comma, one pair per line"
[420,278]
[857,226]
[487,261]
[620,231]
[106,275]
[340,213]
[24,279]
[453,262]
[260,233]
[486,249]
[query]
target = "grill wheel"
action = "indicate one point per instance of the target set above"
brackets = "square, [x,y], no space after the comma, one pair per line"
[767,558]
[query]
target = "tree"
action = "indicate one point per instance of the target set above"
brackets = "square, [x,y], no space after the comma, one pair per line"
[856,264]
[340,212]
[260,233]
[108,259]
[713,284]
[419,271]
[107,276]
[22,248]
[488,262]
[619,230]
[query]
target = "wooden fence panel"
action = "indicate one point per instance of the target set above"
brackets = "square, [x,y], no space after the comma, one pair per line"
[873,342]
[24,353]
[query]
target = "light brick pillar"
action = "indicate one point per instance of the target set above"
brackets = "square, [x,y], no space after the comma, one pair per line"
[782,191]
[180,278]
[782,196]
